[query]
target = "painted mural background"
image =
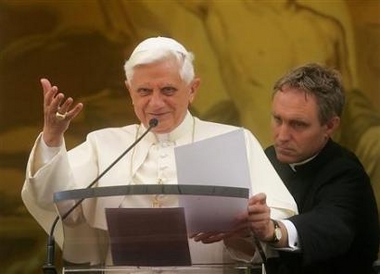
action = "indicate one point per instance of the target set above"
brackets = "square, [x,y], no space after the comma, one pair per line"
[241,47]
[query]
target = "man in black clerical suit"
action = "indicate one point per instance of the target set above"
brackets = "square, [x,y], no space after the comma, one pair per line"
[337,229]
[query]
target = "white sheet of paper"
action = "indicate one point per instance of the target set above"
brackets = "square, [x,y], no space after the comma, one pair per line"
[218,161]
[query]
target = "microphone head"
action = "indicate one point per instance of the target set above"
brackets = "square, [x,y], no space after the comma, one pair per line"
[153,122]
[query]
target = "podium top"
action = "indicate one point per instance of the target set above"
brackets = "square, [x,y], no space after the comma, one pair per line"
[201,190]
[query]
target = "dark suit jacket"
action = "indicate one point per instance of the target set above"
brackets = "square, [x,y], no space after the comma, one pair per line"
[338,224]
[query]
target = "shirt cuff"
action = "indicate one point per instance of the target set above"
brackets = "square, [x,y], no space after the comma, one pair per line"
[293,241]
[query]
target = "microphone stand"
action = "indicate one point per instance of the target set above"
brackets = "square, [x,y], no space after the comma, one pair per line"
[49,267]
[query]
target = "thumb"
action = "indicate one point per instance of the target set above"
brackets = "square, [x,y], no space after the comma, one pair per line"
[259,198]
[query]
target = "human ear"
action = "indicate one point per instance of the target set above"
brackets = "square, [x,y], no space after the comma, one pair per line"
[129,90]
[332,125]
[194,85]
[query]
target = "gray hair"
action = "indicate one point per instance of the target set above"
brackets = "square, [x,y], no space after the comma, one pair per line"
[322,82]
[184,59]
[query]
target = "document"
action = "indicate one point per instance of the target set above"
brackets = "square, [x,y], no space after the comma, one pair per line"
[217,161]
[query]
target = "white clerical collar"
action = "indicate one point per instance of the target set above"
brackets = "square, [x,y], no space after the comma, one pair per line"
[184,128]
[293,166]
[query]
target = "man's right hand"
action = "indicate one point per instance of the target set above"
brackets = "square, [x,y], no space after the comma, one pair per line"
[58,113]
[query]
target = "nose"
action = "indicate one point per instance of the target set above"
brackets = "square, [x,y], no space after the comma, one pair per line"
[156,99]
[282,132]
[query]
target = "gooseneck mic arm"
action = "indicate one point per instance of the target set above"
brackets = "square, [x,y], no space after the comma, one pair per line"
[48,267]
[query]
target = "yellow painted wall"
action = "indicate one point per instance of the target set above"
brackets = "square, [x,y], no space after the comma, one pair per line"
[241,47]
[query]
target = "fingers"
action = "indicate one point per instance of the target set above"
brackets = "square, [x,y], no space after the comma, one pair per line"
[75,111]
[46,86]
[50,94]
[259,215]
[52,99]
[260,198]
[64,108]
[257,208]
[55,102]
[210,237]
[58,113]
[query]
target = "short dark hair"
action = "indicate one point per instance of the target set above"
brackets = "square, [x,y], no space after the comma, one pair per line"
[322,82]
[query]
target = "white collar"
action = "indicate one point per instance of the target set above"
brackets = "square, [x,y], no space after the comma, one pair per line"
[186,126]
[293,166]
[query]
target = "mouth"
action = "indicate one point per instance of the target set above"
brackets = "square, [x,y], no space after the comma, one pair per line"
[283,150]
[161,117]
[156,115]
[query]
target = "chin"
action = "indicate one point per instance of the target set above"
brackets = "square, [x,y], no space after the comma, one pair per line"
[287,159]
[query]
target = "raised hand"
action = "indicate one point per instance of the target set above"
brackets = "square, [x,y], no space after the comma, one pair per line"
[58,113]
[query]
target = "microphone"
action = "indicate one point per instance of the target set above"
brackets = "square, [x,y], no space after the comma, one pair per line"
[49,267]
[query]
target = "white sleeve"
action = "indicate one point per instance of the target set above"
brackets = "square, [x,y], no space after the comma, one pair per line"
[43,154]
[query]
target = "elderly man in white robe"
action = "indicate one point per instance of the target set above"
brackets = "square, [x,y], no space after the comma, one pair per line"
[162,84]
